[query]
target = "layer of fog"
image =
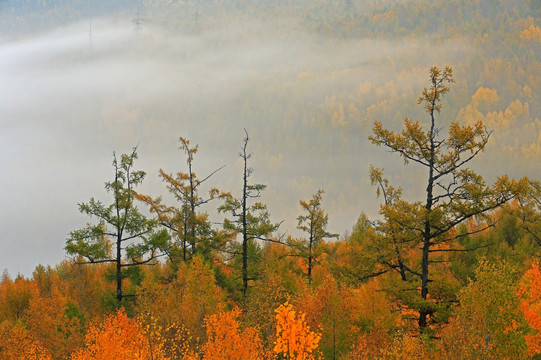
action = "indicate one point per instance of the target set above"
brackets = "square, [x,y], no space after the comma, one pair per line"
[71,97]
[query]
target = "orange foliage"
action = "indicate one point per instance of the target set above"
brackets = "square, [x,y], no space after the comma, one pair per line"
[530,305]
[48,320]
[16,344]
[226,341]
[342,312]
[185,302]
[15,298]
[121,338]
[294,338]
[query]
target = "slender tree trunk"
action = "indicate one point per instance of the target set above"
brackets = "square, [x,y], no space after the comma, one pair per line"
[244,225]
[310,259]
[118,270]
[192,208]
[423,313]
[185,240]
[119,228]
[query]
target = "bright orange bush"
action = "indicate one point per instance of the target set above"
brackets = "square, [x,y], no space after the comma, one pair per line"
[121,338]
[294,339]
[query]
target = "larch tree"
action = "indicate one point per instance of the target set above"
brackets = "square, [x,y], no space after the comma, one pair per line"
[389,253]
[249,219]
[313,222]
[122,235]
[453,193]
[189,225]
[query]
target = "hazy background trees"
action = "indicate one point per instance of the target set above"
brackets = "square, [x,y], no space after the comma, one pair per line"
[312,73]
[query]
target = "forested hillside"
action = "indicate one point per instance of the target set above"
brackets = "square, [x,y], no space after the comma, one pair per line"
[382,202]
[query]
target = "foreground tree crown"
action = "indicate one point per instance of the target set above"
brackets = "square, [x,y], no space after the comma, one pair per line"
[454,193]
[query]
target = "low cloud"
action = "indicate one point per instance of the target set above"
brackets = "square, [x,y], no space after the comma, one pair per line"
[71,97]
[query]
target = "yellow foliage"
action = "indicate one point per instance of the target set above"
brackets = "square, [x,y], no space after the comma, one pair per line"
[486,95]
[226,341]
[185,302]
[47,321]
[380,344]
[15,297]
[532,33]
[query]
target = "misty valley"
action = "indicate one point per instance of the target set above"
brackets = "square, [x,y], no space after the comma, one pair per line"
[280,179]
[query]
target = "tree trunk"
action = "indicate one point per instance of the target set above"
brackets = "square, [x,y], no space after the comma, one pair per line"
[118,270]
[244,225]
[427,237]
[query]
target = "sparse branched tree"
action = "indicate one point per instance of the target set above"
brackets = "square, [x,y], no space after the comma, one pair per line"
[249,219]
[453,192]
[314,223]
[189,225]
[122,235]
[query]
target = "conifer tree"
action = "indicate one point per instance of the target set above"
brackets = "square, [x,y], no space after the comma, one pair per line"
[313,222]
[453,193]
[250,220]
[122,235]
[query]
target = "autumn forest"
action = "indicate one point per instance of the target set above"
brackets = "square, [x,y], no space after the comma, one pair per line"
[443,264]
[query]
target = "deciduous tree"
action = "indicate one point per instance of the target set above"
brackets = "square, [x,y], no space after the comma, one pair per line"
[17,344]
[15,298]
[120,337]
[529,291]
[294,339]
[527,209]
[226,340]
[488,324]
[185,302]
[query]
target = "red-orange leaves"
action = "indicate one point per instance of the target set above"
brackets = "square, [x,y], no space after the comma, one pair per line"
[530,305]
[294,338]
[15,298]
[121,338]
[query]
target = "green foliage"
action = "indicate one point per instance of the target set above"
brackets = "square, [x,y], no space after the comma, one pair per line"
[123,235]
[453,192]
[250,220]
[189,227]
[72,311]
[488,323]
[314,224]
